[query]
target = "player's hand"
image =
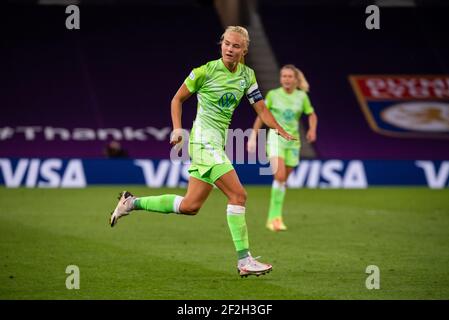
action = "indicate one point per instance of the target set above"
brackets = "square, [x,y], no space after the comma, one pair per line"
[251,145]
[285,135]
[311,136]
[176,137]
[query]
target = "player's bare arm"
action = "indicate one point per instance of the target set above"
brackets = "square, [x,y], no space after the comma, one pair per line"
[176,113]
[313,122]
[265,115]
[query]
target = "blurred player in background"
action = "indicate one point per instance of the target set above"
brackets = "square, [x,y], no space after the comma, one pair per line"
[219,85]
[287,104]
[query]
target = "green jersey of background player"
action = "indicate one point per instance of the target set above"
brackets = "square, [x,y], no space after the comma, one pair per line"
[287,104]
[219,85]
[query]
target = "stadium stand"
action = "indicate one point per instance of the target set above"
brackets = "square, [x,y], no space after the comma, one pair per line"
[119,70]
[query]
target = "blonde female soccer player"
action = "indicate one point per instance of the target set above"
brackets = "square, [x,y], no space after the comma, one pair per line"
[220,85]
[287,104]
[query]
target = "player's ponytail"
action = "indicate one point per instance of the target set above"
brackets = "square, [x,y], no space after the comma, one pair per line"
[301,80]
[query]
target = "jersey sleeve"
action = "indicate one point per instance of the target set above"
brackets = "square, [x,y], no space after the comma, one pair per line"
[269,100]
[196,79]
[308,109]
[253,93]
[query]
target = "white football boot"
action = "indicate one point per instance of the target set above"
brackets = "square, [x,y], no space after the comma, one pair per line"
[250,266]
[124,207]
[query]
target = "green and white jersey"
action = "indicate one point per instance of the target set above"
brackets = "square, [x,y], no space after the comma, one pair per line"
[287,110]
[219,92]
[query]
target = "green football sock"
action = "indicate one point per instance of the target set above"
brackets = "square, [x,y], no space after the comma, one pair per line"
[166,203]
[239,231]
[277,200]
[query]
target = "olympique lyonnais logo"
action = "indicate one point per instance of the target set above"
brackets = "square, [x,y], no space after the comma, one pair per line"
[405,106]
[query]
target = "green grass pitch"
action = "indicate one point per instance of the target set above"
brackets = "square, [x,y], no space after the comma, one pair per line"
[333,236]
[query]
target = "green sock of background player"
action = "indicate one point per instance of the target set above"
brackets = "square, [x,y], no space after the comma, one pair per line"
[276,200]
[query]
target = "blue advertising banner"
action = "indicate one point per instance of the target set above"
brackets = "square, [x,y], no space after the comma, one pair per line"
[79,173]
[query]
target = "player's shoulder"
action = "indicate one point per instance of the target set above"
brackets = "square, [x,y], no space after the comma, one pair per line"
[275,91]
[246,70]
[300,93]
[212,65]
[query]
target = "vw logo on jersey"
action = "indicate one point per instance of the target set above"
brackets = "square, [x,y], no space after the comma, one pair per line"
[227,100]
[288,115]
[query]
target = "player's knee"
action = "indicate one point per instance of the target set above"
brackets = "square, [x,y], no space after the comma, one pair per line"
[281,176]
[191,208]
[239,197]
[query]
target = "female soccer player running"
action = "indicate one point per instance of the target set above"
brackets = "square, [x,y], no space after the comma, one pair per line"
[287,104]
[219,85]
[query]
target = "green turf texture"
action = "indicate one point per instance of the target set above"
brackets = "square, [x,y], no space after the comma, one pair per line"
[333,236]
